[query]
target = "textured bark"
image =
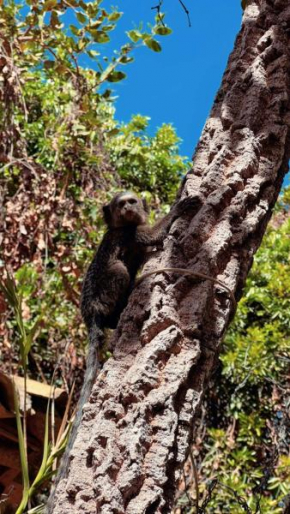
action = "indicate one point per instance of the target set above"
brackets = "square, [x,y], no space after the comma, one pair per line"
[137,426]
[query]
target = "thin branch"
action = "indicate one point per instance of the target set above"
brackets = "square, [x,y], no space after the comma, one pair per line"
[185,488]
[186,12]
[195,476]
[158,9]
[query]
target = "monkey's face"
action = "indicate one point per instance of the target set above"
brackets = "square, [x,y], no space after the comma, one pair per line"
[125,209]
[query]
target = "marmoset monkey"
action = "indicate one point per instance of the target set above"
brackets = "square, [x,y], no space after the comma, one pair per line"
[110,279]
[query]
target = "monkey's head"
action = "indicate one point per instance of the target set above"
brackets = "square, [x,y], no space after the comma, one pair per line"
[125,209]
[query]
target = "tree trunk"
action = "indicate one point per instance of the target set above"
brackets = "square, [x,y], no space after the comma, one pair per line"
[138,424]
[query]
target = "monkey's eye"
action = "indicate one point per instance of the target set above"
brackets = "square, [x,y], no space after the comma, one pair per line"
[121,203]
[132,201]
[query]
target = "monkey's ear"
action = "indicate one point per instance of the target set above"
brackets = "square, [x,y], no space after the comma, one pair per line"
[145,206]
[107,214]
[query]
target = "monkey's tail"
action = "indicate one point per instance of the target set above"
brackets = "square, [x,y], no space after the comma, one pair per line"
[96,339]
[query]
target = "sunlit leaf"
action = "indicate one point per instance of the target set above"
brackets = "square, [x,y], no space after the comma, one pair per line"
[116,76]
[134,35]
[49,5]
[152,44]
[115,16]
[81,17]
[125,59]
[95,24]
[99,36]
[93,54]
[113,132]
[162,30]
[75,30]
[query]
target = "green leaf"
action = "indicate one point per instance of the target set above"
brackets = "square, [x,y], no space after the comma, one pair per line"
[125,59]
[82,43]
[115,16]
[99,36]
[81,17]
[161,30]
[76,32]
[96,24]
[152,44]
[31,334]
[116,76]
[134,35]
[113,132]
[107,93]
[159,17]
[8,288]
[126,48]
[107,28]
[46,447]
[93,54]
[49,5]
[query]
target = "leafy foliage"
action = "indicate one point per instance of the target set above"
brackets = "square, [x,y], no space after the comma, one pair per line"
[63,155]
[50,452]
[150,164]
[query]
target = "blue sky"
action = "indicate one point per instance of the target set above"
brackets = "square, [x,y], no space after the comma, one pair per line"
[179,84]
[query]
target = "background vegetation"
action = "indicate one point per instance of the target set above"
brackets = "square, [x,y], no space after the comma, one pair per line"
[63,155]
